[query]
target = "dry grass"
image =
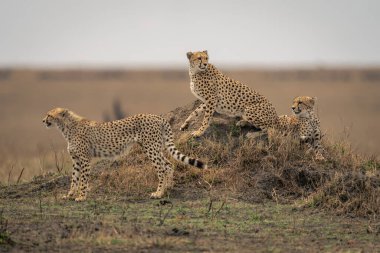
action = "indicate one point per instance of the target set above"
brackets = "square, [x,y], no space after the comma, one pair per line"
[251,170]
[351,193]
[246,196]
[347,99]
[254,170]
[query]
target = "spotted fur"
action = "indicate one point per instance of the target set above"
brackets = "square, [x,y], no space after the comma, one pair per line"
[288,124]
[88,139]
[304,124]
[221,94]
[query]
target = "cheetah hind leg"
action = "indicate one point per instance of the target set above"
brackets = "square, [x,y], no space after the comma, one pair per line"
[258,136]
[159,164]
[246,124]
[257,129]
[242,123]
[169,174]
[254,132]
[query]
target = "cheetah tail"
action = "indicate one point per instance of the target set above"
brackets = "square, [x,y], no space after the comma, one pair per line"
[175,153]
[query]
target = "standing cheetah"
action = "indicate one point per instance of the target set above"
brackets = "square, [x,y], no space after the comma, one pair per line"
[304,124]
[221,94]
[87,139]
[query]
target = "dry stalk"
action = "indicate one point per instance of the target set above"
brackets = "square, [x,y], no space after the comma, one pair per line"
[19,176]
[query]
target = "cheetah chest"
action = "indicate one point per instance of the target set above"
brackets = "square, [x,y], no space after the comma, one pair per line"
[194,91]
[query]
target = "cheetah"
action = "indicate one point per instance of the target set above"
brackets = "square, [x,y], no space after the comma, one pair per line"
[88,139]
[288,124]
[304,124]
[221,94]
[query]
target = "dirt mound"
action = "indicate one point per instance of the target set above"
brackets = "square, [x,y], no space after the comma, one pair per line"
[351,193]
[253,170]
[256,170]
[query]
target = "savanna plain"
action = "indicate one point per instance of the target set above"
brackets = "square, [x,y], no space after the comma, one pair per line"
[256,196]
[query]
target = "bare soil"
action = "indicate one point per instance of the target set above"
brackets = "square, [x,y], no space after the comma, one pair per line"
[257,196]
[190,220]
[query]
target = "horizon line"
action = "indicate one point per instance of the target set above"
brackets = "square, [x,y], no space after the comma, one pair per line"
[184,66]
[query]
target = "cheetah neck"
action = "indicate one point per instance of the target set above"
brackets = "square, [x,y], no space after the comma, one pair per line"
[70,127]
[192,71]
[64,130]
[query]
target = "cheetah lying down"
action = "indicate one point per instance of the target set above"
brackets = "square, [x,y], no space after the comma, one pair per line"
[88,139]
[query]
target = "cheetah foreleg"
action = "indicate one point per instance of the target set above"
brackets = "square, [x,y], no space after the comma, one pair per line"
[84,176]
[192,115]
[318,147]
[209,112]
[74,181]
[305,142]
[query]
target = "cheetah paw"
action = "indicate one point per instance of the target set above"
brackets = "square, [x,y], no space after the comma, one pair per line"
[68,196]
[242,123]
[251,135]
[170,184]
[196,134]
[320,157]
[156,195]
[80,199]
[184,126]
[310,151]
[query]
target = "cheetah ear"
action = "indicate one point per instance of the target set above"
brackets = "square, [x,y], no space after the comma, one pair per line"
[189,54]
[64,113]
[312,101]
[205,52]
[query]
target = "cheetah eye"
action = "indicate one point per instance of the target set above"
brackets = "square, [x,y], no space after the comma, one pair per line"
[199,58]
[299,102]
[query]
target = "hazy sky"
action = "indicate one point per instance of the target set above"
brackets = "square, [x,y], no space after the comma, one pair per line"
[159,33]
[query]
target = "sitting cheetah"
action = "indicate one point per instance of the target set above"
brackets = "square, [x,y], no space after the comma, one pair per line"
[304,124]
[87,139]
[221,94]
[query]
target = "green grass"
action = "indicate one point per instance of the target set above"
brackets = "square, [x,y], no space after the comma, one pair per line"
[114,223]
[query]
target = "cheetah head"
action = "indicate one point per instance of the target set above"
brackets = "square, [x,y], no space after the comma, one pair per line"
[198,60]
[302,105]
[55,116]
